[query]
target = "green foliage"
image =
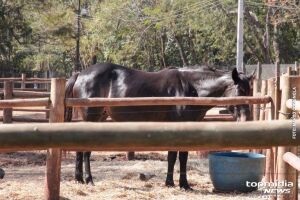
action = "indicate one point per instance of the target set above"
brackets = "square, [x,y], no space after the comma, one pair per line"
[147,34]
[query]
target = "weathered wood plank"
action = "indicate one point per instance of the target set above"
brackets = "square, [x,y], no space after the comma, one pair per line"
[53,161]
[13,103]
[149,135]
[94,102]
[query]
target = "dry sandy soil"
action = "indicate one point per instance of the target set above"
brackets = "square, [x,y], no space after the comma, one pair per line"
[115,178]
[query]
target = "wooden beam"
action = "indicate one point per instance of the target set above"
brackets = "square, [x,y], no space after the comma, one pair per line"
[286,172]
[30,94]
[30,110]
[8,92]
[29,89]
[256,94]
[292,160]
[26,119]
[262,113]
[277,100]
[94,102]
[53,161]
[24,102]
[271,152]
[149,135]
[23,77]
[26,79]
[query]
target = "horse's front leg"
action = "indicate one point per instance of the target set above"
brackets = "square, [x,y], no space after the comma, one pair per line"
[183,183]
[87,164]
[172,156]
[78,167]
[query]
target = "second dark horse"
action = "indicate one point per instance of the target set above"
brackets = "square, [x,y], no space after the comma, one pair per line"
[112,81]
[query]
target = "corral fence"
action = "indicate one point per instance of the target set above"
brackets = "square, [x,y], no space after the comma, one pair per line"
[10,90]
[284,89]
[275,136]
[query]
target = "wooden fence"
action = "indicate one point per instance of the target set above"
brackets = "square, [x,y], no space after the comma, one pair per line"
[151,136]
[281,89]
[9,92]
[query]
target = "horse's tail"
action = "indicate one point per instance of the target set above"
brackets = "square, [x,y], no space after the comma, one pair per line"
[69,94]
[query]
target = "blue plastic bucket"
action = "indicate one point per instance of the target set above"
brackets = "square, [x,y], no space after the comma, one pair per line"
[230,171]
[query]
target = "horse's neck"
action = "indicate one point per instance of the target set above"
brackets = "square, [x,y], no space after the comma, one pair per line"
[215,87]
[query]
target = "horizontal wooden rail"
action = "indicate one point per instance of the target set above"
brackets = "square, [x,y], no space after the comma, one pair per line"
[10,79]
[296,105]
[30,110]
[149,136]
[28,89]
[29,94]
[292,159]
[26,80]
[211,101]
[12,103]
[26,119]
[34,82]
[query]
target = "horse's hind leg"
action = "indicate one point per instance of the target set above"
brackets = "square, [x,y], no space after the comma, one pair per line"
[78,168]
[172,155]
[183,183]
[91,115]
[88,174]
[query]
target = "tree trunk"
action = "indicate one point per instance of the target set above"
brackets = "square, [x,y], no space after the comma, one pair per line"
[267,38]
[162,49]
[276,43]
[192,48]
[178,41]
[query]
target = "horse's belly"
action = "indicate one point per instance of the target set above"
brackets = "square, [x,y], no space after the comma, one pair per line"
[138,113]
[156,113]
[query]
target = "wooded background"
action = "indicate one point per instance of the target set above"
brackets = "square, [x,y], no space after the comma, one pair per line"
[40,35]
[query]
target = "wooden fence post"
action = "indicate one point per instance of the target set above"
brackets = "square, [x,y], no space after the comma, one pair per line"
[47,113]
[297,69]
[53,161]
[256,89]
[8,94]
[277,99]
[264,85]
[23,85]
[286,172]
[270,170]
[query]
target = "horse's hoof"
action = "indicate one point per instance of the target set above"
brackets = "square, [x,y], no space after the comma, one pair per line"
[185,186]
[79,180]
[89,181]
[170,183]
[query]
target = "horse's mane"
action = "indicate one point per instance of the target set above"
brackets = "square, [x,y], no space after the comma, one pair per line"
[206,71]
[204,68]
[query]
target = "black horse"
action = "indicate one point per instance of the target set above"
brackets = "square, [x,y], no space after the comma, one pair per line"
[112,81]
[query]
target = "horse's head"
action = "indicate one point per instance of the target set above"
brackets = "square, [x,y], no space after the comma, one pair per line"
[242,87]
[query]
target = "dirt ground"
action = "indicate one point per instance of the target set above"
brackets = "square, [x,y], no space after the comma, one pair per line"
[114,177]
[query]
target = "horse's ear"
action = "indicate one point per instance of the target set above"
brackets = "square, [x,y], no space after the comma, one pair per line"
[235,76]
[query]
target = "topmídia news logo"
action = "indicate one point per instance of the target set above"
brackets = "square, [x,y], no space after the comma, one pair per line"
[272,188]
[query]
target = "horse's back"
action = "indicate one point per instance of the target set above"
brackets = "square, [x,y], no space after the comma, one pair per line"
[115,81]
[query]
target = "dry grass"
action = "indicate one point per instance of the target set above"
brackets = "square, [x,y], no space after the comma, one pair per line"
[115,178]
